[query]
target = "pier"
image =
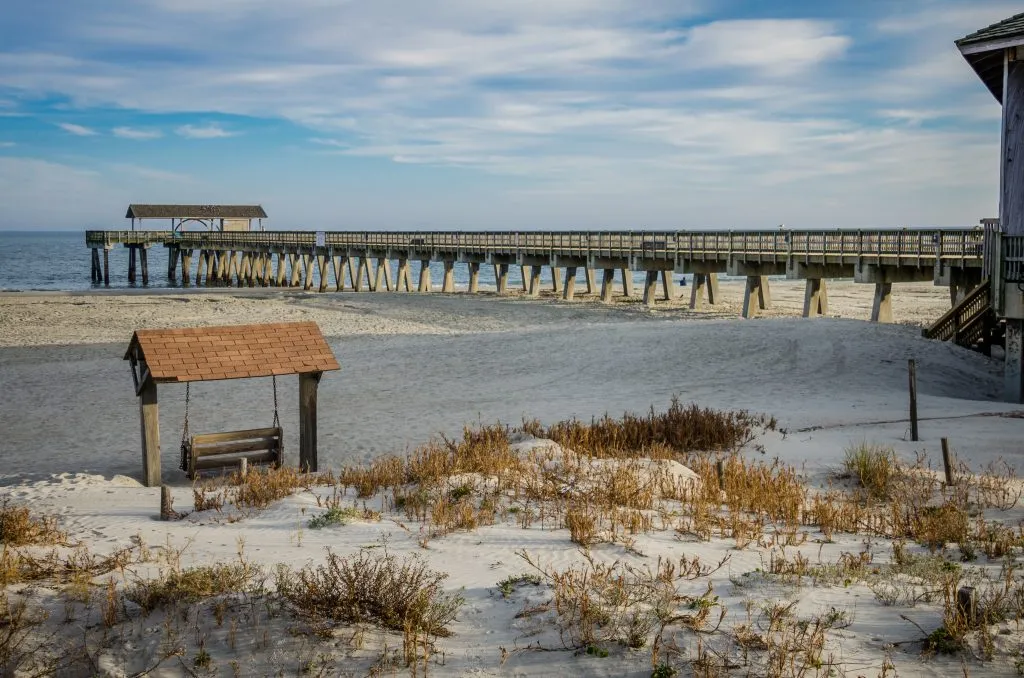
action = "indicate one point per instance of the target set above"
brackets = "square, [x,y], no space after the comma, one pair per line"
[384,261]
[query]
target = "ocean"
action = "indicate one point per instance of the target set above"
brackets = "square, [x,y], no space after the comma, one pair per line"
[59,261]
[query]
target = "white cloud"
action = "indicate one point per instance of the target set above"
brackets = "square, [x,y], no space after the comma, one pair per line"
[7,144]
[204,132]
[776,46]
[136,134]
[77,130]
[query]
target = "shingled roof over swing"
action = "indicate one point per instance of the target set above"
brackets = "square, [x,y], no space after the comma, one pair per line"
[231,352]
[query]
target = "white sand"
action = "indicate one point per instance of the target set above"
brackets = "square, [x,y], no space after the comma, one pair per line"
[70,444]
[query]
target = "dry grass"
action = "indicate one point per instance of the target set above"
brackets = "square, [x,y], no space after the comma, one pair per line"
[195,584]
[18,527]
[399,594]
[873,467]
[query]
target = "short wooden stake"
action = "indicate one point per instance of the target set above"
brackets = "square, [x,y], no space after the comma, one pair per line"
[967,603]
[913,400]
[167,511]
[243,467]
[947,462]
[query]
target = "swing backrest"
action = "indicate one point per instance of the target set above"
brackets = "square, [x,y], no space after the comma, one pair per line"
[219,450]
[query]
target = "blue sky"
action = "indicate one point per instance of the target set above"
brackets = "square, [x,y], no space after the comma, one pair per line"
[498,114]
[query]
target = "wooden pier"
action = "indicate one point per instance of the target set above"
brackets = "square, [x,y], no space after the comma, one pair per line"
[380,261]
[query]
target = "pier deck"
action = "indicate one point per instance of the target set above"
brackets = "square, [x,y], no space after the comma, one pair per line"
[362,259]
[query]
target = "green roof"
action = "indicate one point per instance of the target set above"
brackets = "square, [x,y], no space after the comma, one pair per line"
[1005,29]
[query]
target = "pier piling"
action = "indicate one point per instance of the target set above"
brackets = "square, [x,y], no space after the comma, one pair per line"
[569,291]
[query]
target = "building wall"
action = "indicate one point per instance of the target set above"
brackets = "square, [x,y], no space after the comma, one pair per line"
[236,224]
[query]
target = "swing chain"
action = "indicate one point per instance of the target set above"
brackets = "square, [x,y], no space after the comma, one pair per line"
[277,420]
[186,450]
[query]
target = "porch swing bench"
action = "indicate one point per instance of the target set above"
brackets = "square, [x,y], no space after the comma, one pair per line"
[228,352]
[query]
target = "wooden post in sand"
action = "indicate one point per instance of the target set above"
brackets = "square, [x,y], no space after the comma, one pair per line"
[913,400]
[308,383]
[947,462]
[166,504]
[150,419]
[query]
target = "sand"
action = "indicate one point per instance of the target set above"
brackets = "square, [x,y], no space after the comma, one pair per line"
[414,367]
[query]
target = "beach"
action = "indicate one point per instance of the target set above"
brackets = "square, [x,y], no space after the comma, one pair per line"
[415,367]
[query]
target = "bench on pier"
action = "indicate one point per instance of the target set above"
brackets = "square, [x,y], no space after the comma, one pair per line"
[225,450]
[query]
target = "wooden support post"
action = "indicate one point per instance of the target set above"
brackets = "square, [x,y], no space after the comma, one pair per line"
[149,417]
[200,267]
[556,279]
[815,298]
[243,467]
[607,279]
[295,261]
[131,263]
[362,272]
[167,511]
[308,383]
[424,275]
[881,307]
[172,263]
[627,282]
[569,290]
[371,278]
[322,264]
[389,283]
[222,266]
[534,281]
[282,269]
[353,271]
[967,604]
[524,273]
[186,266]
[912,373]
[448,284]
[308,261]
[668,286]
[947,462]
[144,260]
[106,266]
[501,278]
[474,277]
[209,267]
[650,287]
[339,273]
[243,269]
[96,274]
[404,282]
[382,283]
[591,281]
[756,296]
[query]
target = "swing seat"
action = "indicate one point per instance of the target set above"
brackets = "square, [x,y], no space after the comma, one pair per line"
[222,450]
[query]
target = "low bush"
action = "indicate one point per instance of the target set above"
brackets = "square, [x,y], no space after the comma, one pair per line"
[194,584]
[398,594]
[18,527]
[873,467]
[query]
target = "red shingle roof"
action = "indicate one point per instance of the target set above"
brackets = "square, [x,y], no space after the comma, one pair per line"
[232,352]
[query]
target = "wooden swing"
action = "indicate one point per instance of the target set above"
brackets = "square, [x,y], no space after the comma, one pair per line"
[230,352]
[209,451]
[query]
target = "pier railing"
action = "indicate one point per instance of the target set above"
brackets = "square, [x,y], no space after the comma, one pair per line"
[964,243]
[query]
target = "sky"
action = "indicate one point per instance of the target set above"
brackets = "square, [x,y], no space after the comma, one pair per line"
[499,114]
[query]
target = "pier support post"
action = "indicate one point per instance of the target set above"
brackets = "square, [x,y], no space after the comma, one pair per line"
[172,263]
[556,279]
[308,260]
[144,261]
[668,285]
[383,282]
[149,415]
[627,282]
[296,272]
[756,296]
[501,277]
[474,277]
[607,278]
[650,287]
[364,273]
[186,266]
[282,270]
[131,264]
[569,290]
[591,281]
[535,281]
[95,275]
[321,261]
[404,279]
[524,272]
[339,274]
[881,306]
[424,285]
[448,285]
[815,298]
[1013,368]
[307,421]
[201,268]
[209,267]
[353,273]
[703,282]
[222,266]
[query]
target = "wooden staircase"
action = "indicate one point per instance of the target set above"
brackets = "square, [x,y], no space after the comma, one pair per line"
[972,323]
